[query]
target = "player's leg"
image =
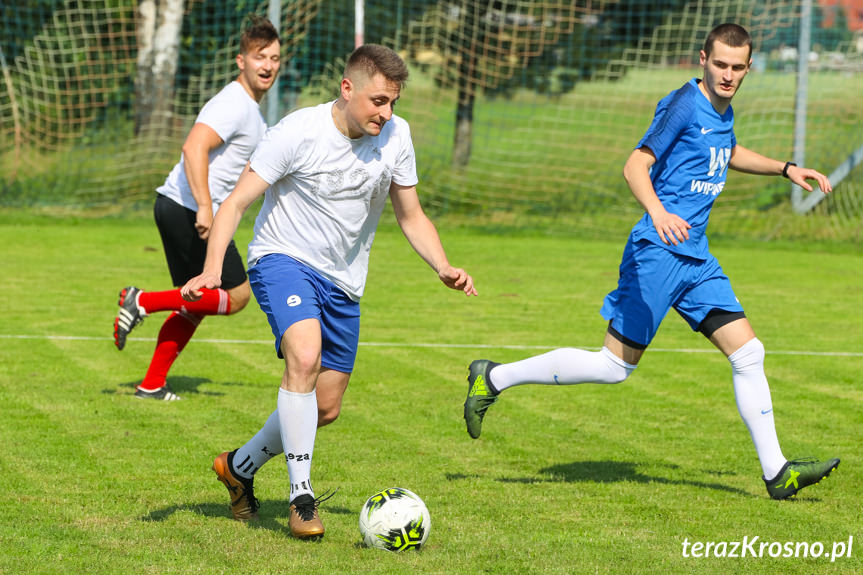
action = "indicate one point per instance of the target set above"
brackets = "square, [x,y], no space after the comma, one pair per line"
[563,366]
[291,295]
[186,253]
[737,340]
[338,334]
[710,306]
[634,311]
[186,261]
[745,352]
[239,297]
[298,420]
[267,442]
[331,388]
[568,366]
[237,469]
[174,334]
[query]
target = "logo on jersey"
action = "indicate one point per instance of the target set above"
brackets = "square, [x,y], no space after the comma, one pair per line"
[294,301]
[719,158]
[705,131]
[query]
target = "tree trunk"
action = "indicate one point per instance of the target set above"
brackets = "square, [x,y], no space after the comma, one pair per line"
[463,125]
[158,32]
[467,86]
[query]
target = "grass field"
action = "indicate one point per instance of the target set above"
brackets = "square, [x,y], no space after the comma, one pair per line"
[585,479]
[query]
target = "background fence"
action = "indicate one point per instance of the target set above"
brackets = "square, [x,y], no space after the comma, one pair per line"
[522,112]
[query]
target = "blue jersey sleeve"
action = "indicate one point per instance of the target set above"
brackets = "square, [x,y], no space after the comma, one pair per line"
[673,115]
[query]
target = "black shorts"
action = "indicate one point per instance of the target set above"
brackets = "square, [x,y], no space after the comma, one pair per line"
[185,251]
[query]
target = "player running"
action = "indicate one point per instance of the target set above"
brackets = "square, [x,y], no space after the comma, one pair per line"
[676,172]
[225,134]
[327,172]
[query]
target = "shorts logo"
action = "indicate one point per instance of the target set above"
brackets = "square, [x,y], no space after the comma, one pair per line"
[294,301]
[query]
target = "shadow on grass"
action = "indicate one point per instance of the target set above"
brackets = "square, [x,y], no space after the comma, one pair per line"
[273,514]
[180,384]
[611,472]
[604,472]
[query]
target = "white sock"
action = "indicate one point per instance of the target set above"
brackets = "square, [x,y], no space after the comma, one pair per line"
[298,422]
[565,366]
[753,402]
[266,444]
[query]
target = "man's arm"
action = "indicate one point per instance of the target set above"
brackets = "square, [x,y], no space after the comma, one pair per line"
[749,162]
[249,187]
[424,239]
[670,227]
[196,161]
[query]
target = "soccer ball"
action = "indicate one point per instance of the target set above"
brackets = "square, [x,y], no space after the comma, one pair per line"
[395,519]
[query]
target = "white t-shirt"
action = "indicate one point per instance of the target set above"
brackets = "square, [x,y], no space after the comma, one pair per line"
[236,117]
[327,192]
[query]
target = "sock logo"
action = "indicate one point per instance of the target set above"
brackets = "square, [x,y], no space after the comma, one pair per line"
[297,456]
[302,486]
[294,301]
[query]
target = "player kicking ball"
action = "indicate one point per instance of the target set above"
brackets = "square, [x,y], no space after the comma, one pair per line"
[676,172]
[326,172]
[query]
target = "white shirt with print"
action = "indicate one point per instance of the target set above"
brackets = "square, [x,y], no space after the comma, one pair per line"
[327,192]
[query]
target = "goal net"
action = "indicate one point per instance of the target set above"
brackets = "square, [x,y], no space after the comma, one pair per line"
[522,112]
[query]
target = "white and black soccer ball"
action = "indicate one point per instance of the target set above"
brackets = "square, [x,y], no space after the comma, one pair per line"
[395,519]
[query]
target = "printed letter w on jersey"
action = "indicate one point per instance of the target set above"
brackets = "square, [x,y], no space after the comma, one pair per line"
[718,160]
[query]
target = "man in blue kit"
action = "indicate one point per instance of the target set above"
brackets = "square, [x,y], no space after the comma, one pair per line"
[676,172]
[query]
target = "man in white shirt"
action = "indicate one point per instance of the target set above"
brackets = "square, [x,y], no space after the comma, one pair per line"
[225,134]
[326,172]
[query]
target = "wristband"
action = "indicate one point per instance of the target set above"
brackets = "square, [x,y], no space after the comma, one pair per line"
[785,169]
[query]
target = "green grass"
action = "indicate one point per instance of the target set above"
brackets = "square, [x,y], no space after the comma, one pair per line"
[585,479]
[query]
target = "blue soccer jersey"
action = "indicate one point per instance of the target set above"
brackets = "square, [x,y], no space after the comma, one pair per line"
[692,143]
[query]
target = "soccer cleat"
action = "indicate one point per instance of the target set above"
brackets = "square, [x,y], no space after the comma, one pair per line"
[305,522]
[480,395]
[129,315]
[797,474]
[163,393]
[244,506]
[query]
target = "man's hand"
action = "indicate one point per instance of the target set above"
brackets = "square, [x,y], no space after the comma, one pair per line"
[457,278]
[192,290]
[204,221]
[672,229]
[800,175]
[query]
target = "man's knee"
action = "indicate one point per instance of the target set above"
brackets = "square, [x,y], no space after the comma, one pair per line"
[616,370]
[239,296]
[328,414]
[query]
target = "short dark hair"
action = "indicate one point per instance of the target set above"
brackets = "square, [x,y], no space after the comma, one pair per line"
[259,33]
[729,34]
[371,59]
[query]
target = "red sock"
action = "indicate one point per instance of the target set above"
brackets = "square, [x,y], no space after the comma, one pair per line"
[173,337]
[212,302]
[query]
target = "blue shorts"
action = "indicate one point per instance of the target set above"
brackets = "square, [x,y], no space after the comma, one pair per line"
[653,280]
[289,291]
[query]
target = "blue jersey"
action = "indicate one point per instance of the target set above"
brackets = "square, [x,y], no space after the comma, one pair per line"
[692,143]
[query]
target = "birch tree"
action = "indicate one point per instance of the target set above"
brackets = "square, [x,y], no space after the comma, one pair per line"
[158,31]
